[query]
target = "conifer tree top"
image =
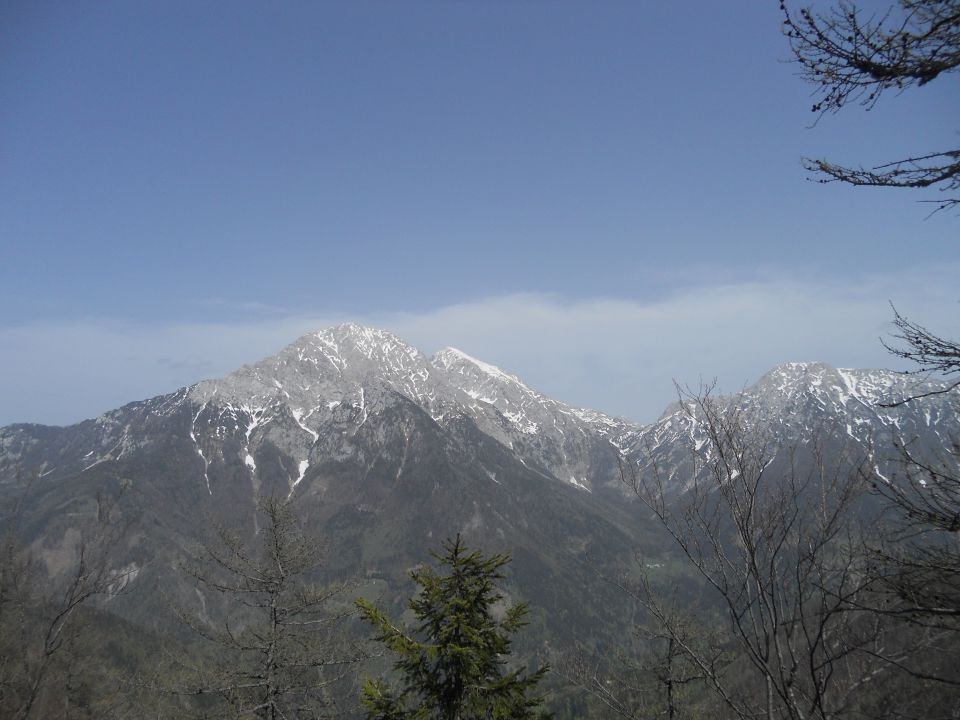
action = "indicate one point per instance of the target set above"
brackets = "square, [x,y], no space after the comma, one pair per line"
[455,664]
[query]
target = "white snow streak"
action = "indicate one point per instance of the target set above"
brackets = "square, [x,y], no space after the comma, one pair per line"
[302,470]
[206,463]
[298,416]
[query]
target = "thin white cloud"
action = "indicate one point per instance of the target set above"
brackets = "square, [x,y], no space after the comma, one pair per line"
[616,355]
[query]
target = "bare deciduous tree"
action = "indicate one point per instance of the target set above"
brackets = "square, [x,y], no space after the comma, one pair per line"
[39,610]
[914,571]
[772,532]
[678,656]
[851,55]
[931,354]
[280,649]
[916,568]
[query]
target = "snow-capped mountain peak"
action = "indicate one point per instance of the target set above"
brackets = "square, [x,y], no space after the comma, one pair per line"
[350,340]
[795,402]
[327,366]
[844,385]
[345,374]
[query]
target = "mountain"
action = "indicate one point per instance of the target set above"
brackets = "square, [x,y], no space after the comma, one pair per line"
[385,452]
[344,373]
[858,412]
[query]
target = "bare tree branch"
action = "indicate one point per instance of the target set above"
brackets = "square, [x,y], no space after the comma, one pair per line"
[850,55]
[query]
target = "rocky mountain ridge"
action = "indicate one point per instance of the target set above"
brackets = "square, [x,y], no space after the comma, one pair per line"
[328,384]
[349,370]
[860,411]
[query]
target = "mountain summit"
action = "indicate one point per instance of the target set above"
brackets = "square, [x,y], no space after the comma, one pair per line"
[351,368]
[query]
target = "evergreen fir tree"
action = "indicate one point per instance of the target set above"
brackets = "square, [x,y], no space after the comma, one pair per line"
[458,671]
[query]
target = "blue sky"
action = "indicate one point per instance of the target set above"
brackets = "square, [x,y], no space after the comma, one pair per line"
[597,196]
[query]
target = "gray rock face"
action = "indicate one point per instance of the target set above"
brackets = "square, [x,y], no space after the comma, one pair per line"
[803,403]
[576,445]
[350,369]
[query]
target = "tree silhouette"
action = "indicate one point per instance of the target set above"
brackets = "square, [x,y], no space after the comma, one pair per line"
[852,56]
